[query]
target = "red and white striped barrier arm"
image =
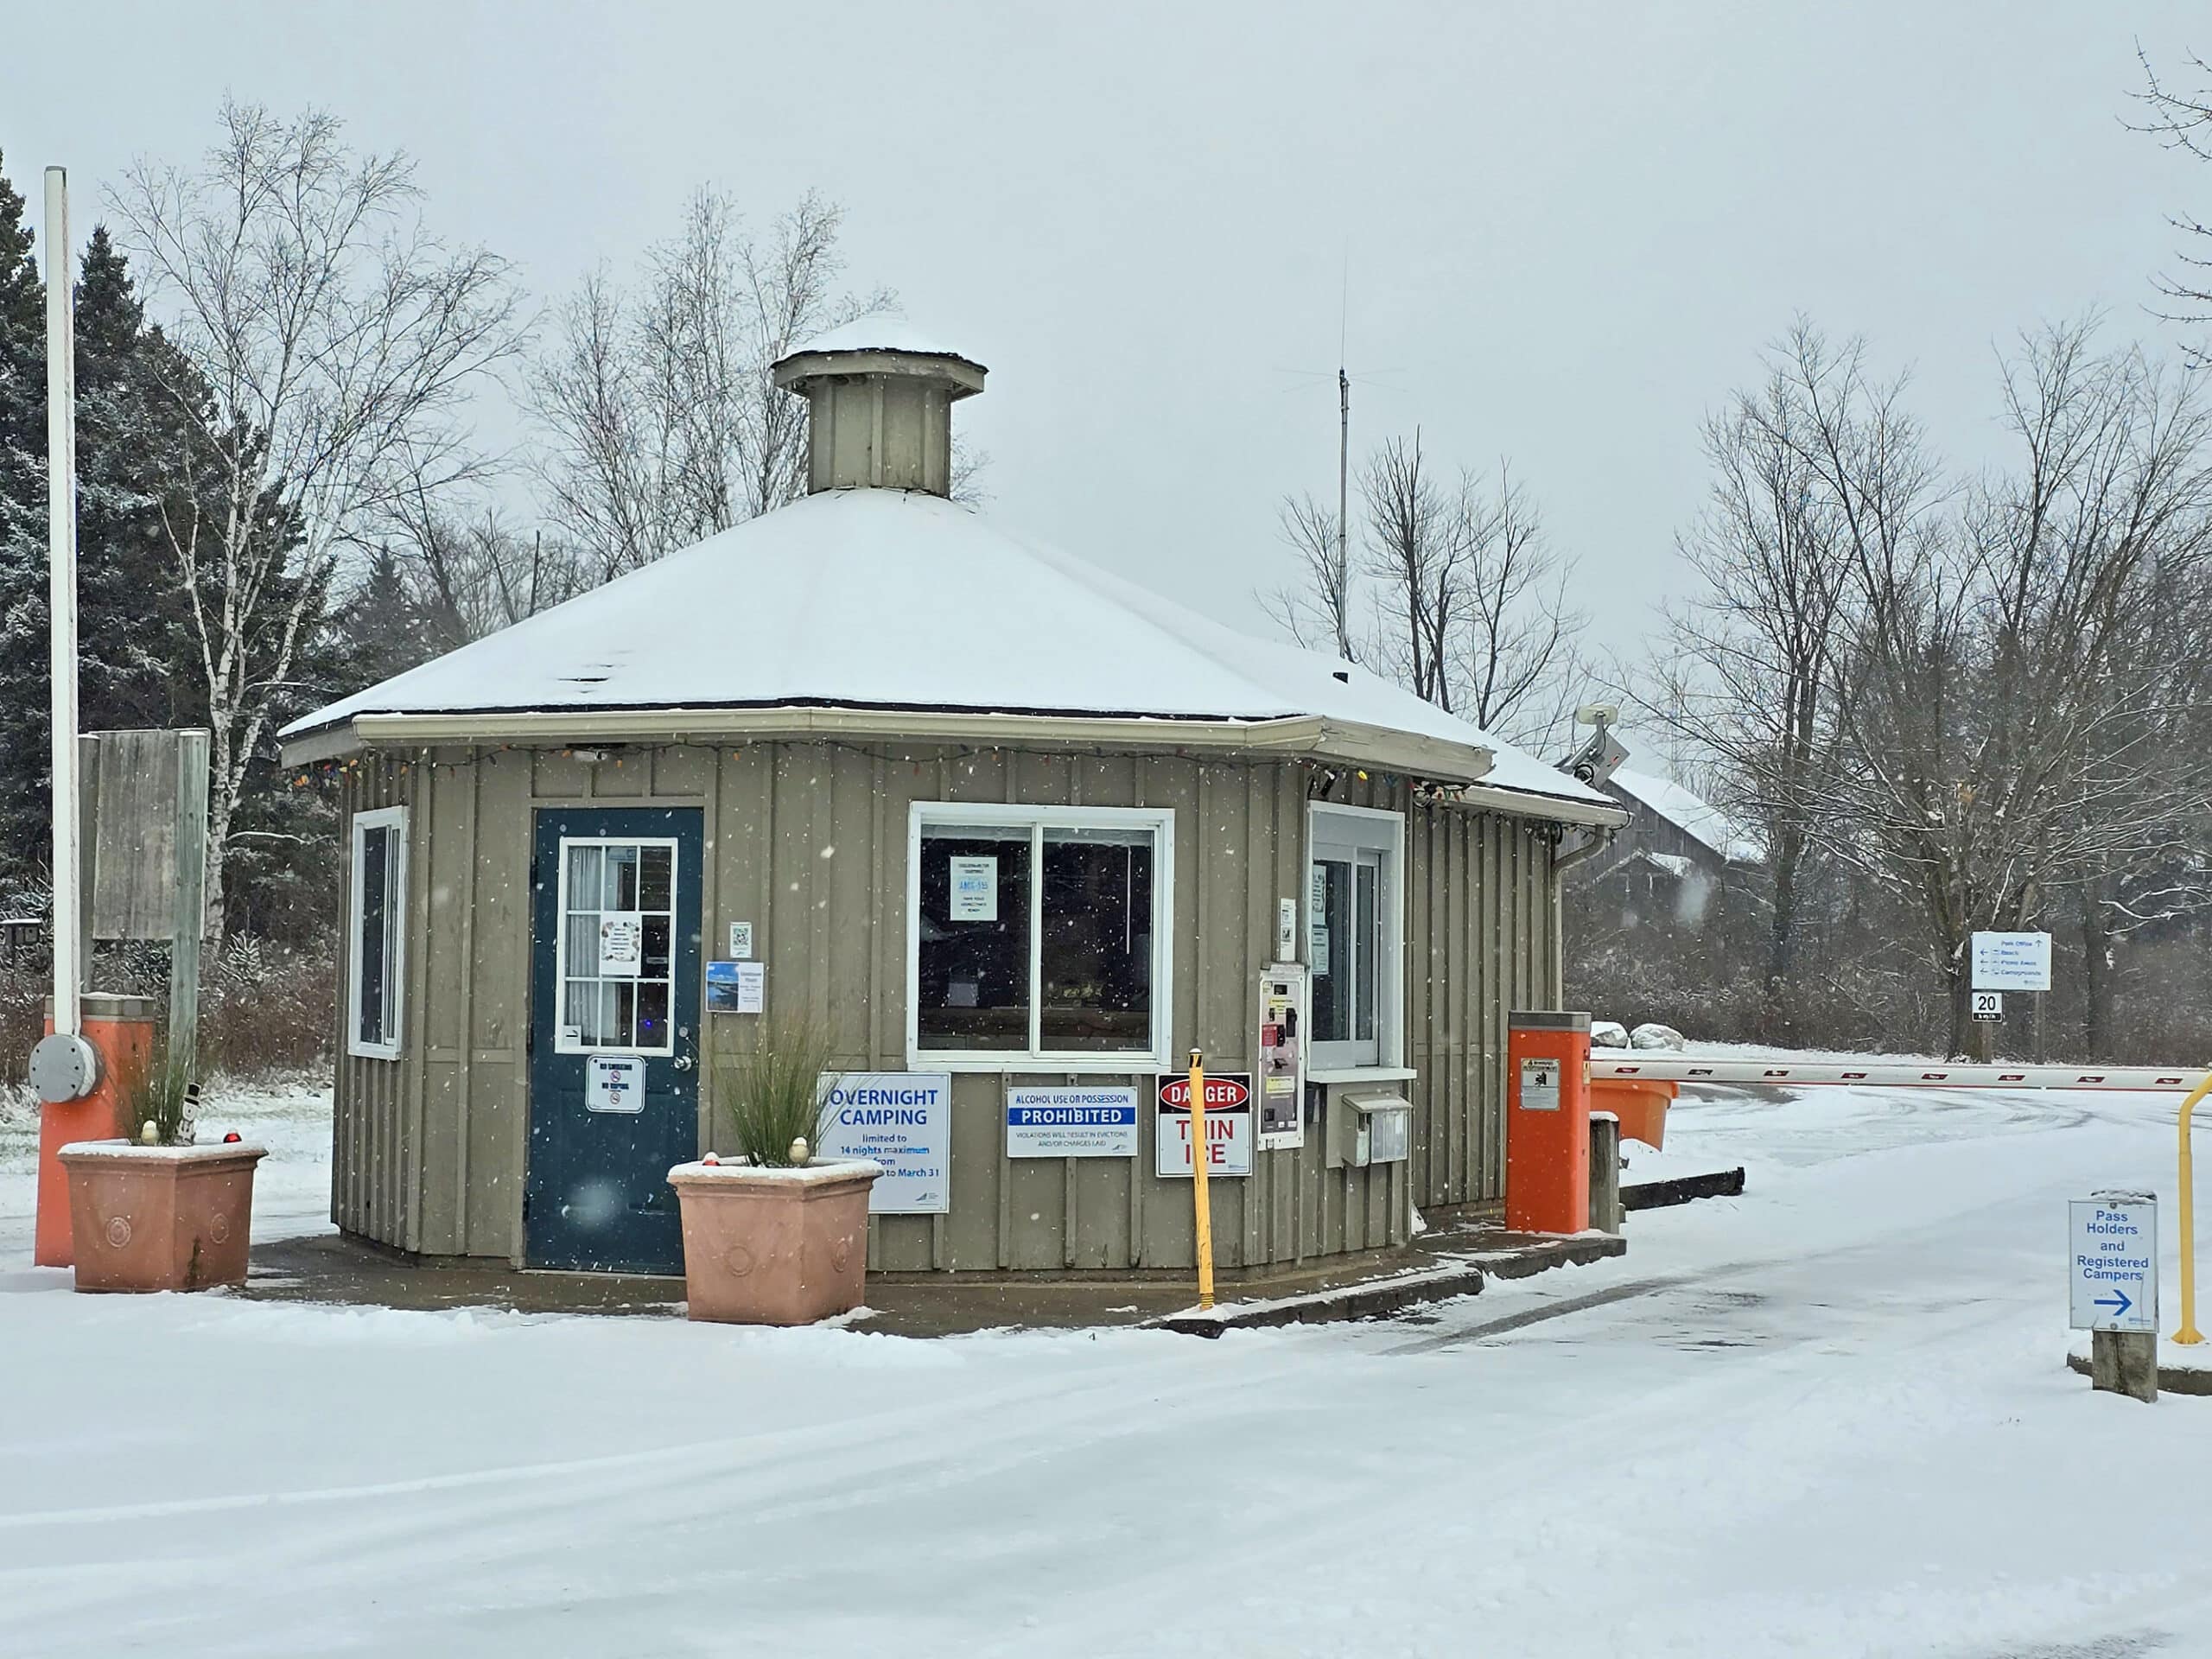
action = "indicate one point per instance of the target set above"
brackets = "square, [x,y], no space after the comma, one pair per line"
[1690,1068]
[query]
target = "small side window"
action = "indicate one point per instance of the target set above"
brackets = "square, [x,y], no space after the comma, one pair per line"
[374,933]
[1354,913]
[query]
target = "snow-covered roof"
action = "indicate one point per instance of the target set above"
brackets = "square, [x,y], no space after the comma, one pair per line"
[1700,821]
[889,598]
[878,334]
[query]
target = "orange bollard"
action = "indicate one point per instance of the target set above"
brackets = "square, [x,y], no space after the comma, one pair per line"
[121,1028]
[1548,1122]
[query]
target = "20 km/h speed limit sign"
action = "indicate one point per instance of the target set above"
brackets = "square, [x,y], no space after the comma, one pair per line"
[1988,1005]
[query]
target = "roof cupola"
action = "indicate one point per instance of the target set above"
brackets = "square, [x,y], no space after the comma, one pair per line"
[880,402]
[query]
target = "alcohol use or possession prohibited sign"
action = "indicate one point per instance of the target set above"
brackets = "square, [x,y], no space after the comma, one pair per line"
[2112,1261]
[1076,1121]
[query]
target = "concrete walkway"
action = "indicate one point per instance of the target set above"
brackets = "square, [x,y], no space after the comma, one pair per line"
[1446,1262]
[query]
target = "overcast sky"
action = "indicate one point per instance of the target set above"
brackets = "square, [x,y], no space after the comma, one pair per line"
[1569,228]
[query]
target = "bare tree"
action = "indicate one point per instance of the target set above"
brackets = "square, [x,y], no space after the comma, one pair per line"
[663,421]
[330,340]
[2002,740]
[2183,122]
[1754,677]
[1315,607]
[469,573]
[1517,659]
[1416,544]
[1456,593]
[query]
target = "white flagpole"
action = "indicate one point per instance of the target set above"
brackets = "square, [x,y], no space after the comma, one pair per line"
[61,529]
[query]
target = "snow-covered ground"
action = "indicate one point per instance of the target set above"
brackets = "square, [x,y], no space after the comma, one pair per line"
[1830,1417]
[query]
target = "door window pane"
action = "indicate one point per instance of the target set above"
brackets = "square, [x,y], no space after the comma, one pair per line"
[1095,943]
[655,870]
[621,1009]
[972,954]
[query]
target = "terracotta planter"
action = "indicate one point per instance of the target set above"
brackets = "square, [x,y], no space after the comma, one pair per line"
[159,1217]
[774,1246]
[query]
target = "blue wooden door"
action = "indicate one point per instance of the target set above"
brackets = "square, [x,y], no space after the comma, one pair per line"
[613,1037]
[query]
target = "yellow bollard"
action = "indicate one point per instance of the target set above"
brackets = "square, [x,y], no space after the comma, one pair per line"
[2189,1332]
[1198,1159]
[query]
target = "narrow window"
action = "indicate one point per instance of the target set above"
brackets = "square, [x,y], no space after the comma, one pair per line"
[374,932]
[1353,910]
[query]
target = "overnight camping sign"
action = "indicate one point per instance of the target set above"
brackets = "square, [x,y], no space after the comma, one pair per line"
[1229,1125]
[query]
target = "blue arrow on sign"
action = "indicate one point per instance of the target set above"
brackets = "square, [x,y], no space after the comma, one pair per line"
[2117,1302]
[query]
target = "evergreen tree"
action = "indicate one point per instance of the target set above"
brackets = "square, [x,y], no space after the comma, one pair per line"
[135,666]
[24,758]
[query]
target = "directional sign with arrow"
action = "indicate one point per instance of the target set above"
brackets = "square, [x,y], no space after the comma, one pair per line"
[2112,1261]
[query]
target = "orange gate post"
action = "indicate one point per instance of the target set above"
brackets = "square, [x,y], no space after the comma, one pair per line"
[122,1029]
[1548,1122]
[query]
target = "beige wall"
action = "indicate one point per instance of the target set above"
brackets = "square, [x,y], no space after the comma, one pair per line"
[429,1147]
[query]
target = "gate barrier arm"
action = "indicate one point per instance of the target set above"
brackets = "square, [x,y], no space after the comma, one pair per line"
[1648,1084]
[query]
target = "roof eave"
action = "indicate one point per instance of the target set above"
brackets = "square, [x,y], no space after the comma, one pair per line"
[1353,743]
[1293,734]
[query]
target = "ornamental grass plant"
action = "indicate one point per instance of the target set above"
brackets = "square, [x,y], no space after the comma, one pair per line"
[159,1091]
[772,1094]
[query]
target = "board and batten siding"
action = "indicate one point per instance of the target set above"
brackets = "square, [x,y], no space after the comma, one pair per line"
[807,841]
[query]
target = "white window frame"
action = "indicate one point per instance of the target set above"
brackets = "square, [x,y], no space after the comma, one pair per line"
[1038,819]
[561,1045]
[393,818]
[1364,828]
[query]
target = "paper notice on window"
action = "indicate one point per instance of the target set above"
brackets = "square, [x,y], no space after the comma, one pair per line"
[1316,923]
[974,890]
[622,937]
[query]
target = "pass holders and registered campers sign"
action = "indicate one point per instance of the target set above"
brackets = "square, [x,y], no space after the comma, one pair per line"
[903,1120]
[2112,1263]
[1077,1121]
[1229,1125]
[614,1083]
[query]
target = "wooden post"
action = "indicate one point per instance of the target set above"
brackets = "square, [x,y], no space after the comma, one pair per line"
[2125,1361]
[191,898]
[1605,1212]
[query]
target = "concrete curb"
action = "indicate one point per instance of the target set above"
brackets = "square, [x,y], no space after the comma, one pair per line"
[1682,1189]
[2172,1379]
[1465,1276]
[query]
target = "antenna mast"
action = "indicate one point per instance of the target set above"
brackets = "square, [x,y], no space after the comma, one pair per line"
[1344,436]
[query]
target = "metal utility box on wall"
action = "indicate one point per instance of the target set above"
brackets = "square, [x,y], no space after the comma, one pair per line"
[1378,1129]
